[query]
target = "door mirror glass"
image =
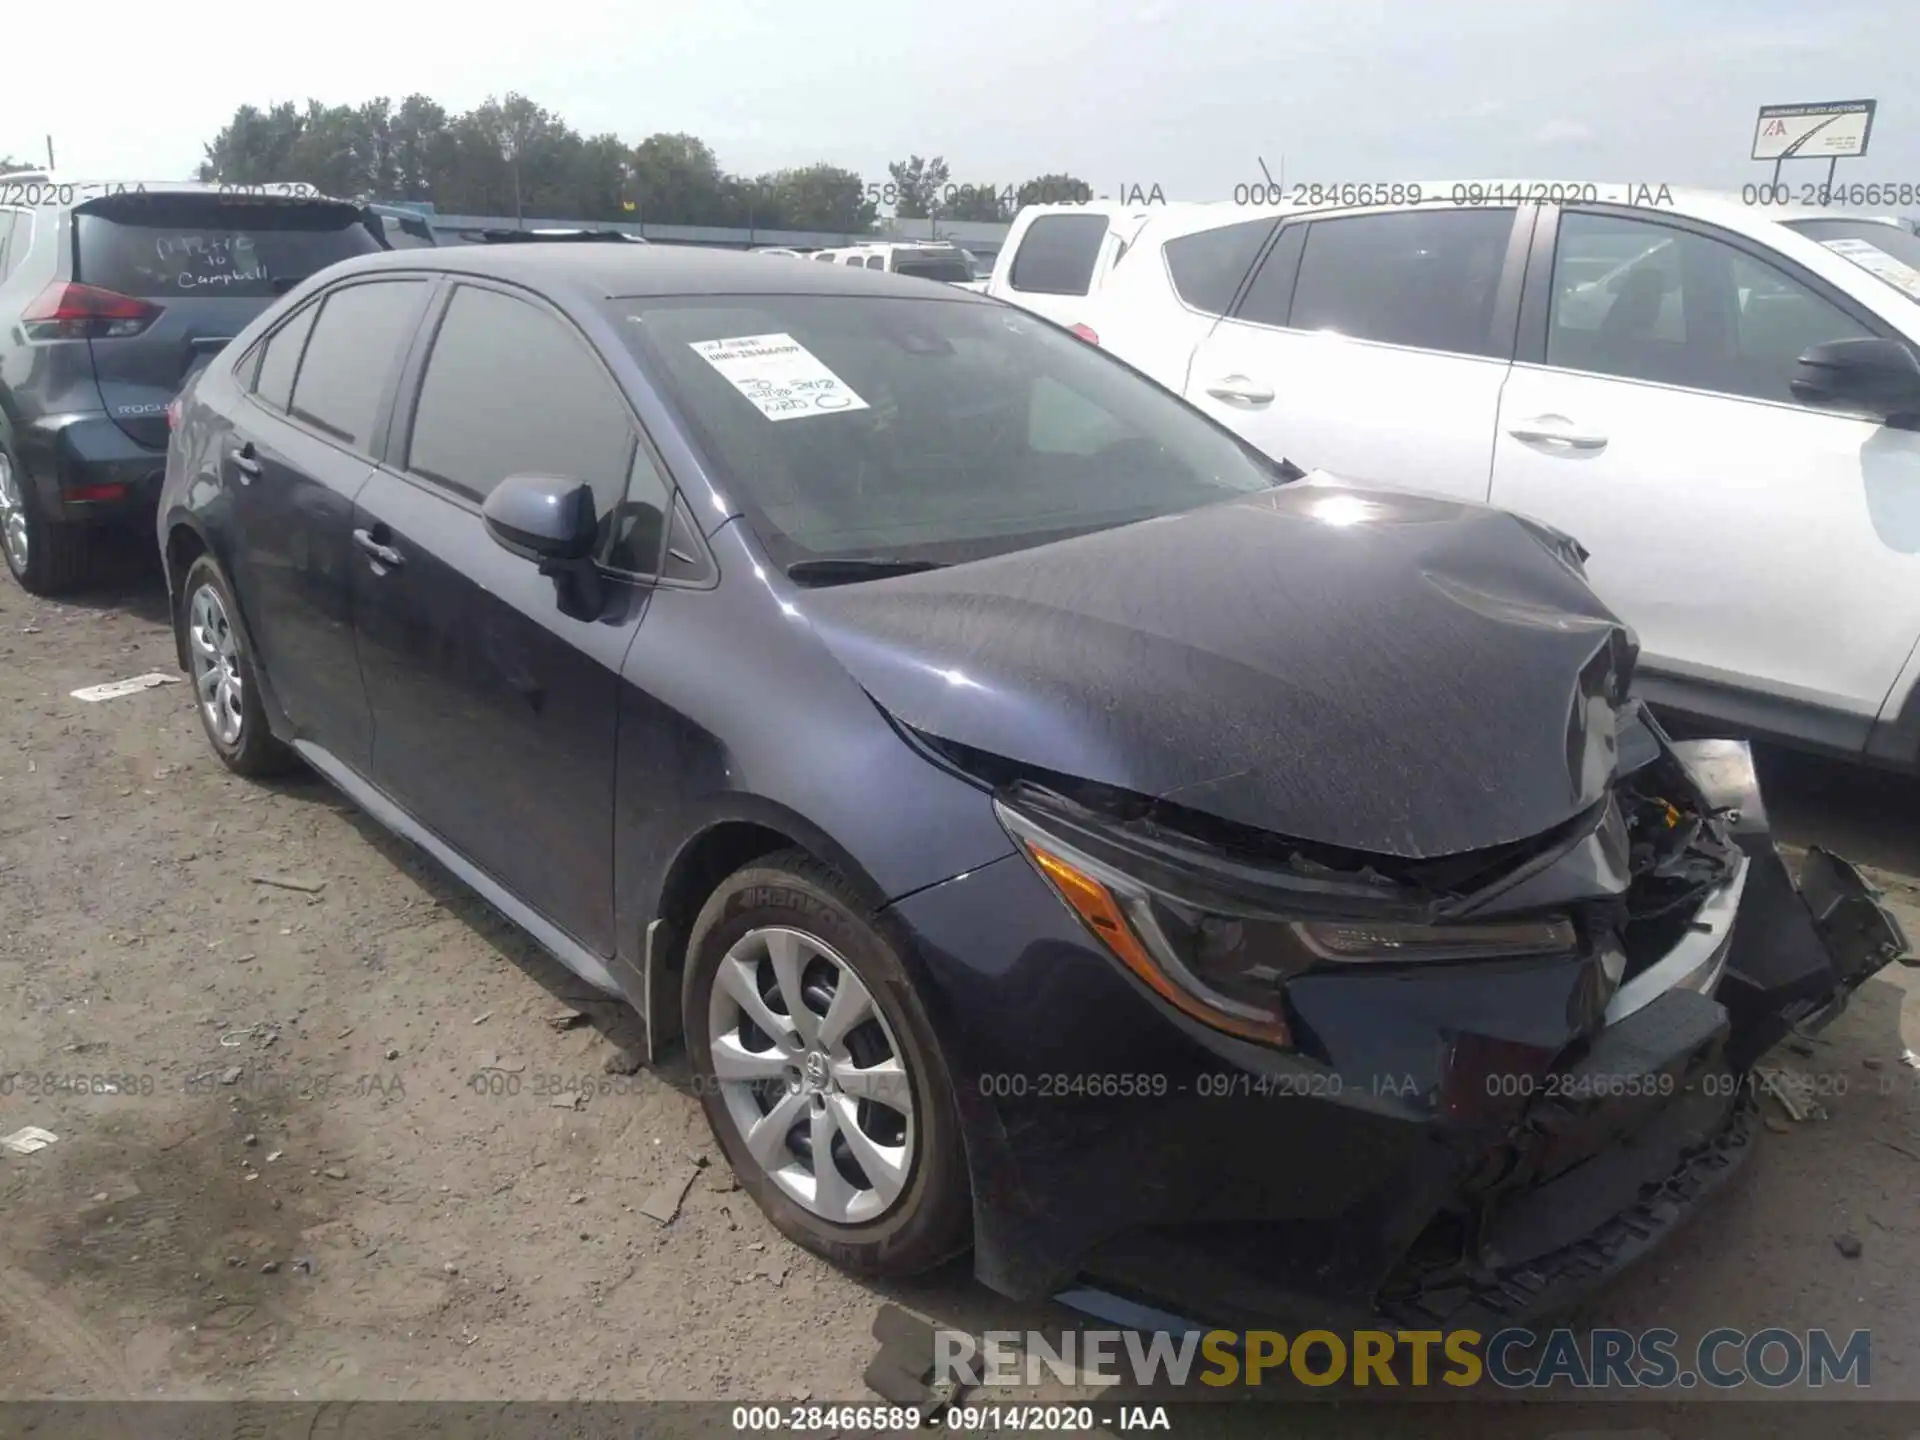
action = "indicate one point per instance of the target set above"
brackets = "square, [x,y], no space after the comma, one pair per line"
[543,517]
[1874,374]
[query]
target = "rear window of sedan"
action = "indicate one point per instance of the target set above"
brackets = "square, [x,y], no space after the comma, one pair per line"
[160,247]
[925,428]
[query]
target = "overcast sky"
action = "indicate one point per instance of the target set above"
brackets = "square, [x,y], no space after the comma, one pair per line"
[1183,94]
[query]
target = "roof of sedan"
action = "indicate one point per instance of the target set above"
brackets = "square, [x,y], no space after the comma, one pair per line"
[618,271]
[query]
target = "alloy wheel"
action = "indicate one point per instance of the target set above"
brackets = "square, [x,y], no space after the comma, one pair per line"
[812,1075]
[216,664]
[13,514]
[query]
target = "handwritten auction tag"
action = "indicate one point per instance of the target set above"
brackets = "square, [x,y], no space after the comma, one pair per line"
[783,379]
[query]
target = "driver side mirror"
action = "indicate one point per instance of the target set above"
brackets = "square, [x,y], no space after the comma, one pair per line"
[553,521]
[1873,374]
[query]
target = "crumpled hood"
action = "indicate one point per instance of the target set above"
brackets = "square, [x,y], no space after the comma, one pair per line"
[1376,671]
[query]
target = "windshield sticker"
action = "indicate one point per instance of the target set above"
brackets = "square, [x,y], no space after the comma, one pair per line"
[1875,261]
[783,379]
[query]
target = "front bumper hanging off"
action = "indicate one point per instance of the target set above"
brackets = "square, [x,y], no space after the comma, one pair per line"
[1468,1205]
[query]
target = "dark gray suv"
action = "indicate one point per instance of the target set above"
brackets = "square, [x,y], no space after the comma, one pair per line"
[112,294]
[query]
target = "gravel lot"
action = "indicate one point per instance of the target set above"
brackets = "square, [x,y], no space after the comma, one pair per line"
[352,1214]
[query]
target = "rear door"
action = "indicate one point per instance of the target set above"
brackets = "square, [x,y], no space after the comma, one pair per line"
[300,450]
[1375,346]
[207,264]
[494,709]
[1163,298]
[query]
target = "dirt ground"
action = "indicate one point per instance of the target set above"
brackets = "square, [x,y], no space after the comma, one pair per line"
[330,1144]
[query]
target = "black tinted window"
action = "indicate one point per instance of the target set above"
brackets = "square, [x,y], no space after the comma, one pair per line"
[1651,302]
[1425,278]
[282,358]
[350,355]
[953,272]
[1270,296]
[1057,254]
[166,248]
[1208,267]
[639,528]
[511,389]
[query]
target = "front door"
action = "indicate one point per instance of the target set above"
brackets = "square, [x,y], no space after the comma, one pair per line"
[494,710]
[1752,541]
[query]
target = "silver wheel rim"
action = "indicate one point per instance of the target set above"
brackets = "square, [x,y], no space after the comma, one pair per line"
[216,664]
[811,1075]
[13,515]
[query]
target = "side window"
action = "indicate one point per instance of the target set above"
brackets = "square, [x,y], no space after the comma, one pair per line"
[275,383]
[511,389]
[853,259]
[876,262]
[1057,255]
[1425,278]
[825,256]
[7,218]
[1651,302]
[1270,297]
[1208,266]
[354,346]
[638,528]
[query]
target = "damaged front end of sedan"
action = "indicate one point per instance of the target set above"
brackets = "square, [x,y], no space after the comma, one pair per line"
[1417,972]
[1658,945]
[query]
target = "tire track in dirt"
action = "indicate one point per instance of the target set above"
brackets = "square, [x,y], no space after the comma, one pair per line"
[30,1309]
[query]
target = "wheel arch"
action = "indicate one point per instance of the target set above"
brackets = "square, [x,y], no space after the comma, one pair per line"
[743,829]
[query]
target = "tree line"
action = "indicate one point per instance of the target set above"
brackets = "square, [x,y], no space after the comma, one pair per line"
[513,157]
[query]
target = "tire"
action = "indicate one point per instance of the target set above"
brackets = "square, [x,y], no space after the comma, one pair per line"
[58,557]
[887,1230]
[226,690]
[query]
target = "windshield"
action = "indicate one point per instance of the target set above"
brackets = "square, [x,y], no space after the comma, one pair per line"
[175,246]
[924,428]
[1889,253]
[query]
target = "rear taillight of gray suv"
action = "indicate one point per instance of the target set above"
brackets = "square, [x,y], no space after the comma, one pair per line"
[66,311]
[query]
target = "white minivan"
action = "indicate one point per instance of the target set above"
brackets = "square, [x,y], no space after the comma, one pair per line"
[1720,400]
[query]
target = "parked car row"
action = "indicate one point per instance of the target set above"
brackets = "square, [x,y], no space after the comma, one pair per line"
[1721,403]
[1054,826]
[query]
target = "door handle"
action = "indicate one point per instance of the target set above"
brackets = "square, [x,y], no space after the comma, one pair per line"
[380,554]
[1241,390]
[1557,430]
[246,462]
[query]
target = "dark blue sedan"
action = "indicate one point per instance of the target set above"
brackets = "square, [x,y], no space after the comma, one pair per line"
[1053,828]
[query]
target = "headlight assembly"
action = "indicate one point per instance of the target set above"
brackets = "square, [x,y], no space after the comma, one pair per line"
[1225,962]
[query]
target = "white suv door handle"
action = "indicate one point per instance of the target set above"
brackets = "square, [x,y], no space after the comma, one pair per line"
[1557,430]
[1240,390]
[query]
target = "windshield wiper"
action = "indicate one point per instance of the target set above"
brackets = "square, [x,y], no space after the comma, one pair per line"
[848,569]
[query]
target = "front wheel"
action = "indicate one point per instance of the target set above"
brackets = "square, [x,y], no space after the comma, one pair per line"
[226,688]
[820,1074]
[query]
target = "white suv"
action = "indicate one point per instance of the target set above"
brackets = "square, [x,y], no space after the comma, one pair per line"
[1719,400]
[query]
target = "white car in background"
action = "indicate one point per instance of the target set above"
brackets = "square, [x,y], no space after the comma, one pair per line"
[1056,256]
[1720,401]
[925,260]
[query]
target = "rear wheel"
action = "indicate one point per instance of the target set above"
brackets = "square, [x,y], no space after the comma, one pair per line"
[47,558]
[819,1072]
[226,690]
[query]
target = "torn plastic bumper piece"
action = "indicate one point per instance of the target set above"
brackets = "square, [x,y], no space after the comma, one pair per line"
[1800,951]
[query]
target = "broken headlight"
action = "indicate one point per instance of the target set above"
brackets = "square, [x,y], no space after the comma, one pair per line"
[1224,959]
